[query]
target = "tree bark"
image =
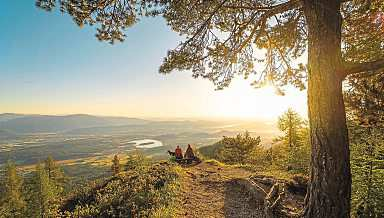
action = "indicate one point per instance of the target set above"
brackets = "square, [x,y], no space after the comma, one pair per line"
[329,191]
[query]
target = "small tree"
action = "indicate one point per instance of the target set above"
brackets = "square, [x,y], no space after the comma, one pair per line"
[303,157]
[237,149]
[295,140]
[12,203]
[54,172]
[115,165]
[290,123]
[44,195]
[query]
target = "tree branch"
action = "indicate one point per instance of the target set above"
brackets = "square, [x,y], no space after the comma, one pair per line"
[354,68]
[277,9]
[206,22]
[274,9]
[289,5]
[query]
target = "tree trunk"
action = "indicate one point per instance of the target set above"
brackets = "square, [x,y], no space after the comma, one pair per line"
[330,187]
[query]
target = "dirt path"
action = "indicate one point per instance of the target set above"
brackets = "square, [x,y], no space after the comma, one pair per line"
[208,191]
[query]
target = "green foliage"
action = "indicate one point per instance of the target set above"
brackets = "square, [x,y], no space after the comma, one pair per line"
[290,123]
[137,161]
[12,203]
[206,54]
[367,164]
[112,17]
[222,37]
[364,41]
[292,150]
[44,194]
[54,172]
[209,151]
[246,150]
[234,150]
[138,192]
[144,190]
[365,102]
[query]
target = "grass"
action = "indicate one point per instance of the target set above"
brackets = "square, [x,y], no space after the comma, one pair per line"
[272,171]
[169,210]
[216,163]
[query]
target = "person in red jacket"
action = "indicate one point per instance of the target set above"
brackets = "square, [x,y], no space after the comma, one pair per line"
[178,153]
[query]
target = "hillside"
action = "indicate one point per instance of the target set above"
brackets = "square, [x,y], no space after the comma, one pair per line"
[53,124]
[209,189]
[142,191]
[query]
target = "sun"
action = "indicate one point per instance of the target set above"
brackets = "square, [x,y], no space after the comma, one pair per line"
[241,100]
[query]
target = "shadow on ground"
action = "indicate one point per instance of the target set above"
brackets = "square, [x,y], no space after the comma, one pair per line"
[239,203]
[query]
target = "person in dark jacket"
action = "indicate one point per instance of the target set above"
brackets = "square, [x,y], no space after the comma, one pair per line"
[189,153]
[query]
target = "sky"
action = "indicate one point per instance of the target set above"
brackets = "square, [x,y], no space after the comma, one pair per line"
[48,65]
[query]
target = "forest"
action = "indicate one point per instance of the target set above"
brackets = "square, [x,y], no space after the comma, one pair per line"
[332,49]
[135,185]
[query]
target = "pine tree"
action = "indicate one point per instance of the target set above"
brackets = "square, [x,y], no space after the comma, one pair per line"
[295,138]
[290,123]
[12,203]
[44,195]
[367,163]
[365,109]
[55,173]
[116,165]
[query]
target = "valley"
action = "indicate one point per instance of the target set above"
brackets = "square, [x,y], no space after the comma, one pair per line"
[88,141]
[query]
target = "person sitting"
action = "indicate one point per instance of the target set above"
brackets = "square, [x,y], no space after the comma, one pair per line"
[189,153]
[178,153]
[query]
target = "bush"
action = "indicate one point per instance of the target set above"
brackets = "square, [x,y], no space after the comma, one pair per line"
[139,192]
[233,150]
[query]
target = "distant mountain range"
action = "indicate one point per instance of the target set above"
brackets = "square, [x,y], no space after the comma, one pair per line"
[12,125]
[27,124]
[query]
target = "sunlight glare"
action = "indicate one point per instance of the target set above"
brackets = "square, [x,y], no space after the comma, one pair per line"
[243,101]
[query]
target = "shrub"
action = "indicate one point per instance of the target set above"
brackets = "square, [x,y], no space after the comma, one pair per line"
[139,192]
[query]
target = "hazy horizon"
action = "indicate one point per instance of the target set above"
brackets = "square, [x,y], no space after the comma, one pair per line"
[155,118]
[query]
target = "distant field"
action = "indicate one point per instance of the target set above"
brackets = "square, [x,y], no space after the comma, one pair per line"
[28,150]
[89,149]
